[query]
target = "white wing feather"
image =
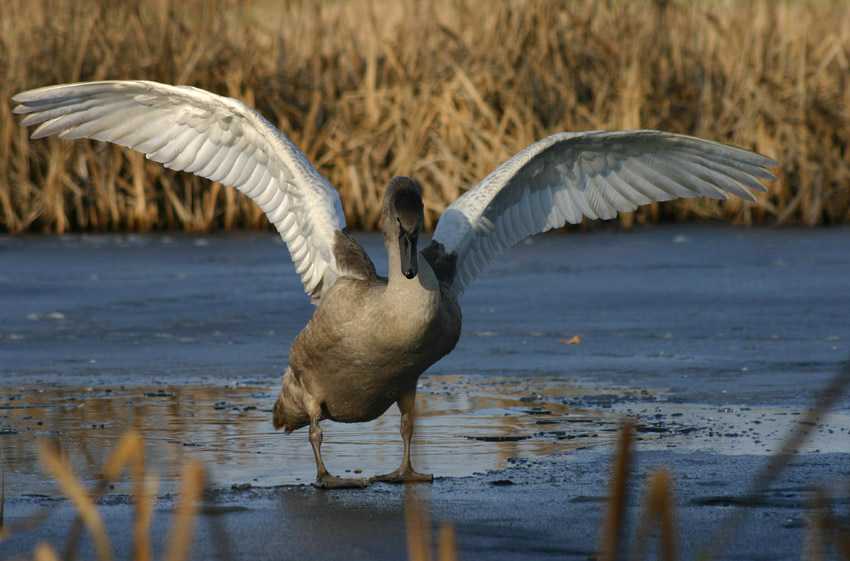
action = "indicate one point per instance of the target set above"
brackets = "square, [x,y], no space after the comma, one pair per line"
[596,174]
[219,138]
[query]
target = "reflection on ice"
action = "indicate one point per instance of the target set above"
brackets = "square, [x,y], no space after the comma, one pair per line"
[459,432]
[466,426]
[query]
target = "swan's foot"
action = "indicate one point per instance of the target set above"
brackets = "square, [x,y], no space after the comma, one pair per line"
[407,475]
[328,481]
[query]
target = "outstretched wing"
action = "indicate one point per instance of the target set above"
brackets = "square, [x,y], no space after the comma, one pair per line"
[219,138]
[595,174]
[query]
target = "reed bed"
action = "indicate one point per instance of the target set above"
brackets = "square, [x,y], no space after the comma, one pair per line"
[442,91]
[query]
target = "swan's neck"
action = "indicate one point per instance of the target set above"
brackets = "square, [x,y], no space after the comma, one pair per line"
[413,303]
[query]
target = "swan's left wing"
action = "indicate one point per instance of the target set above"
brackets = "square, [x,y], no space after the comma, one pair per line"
[596,174]
[216,137]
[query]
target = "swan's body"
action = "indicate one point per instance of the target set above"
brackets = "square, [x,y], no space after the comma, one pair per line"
[369,341]
[371,338]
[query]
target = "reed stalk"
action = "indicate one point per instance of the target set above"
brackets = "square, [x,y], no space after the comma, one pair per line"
[442,91]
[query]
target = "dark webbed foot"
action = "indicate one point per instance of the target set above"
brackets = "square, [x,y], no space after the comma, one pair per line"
[404,476]
[328,481]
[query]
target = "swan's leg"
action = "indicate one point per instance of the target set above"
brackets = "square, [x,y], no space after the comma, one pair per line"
[325,480]
[405,473]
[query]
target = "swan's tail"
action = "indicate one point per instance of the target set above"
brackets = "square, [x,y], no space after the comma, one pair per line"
[289,412]
[278,415]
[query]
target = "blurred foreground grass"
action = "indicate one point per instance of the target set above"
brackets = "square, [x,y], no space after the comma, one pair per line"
[825,531]
[443,91]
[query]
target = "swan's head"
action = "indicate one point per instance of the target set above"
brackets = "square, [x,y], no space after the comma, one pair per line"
[403,215]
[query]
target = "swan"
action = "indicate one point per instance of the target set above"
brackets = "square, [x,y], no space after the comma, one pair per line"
[371,338]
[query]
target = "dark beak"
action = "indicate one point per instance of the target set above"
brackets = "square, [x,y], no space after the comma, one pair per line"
[407,248]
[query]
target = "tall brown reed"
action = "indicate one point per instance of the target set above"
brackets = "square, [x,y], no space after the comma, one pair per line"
[129,453]
[441,90]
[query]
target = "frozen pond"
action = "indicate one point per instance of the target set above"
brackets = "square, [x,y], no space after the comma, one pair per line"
[714,340]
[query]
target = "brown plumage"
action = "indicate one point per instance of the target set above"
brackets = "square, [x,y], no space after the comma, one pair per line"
[371,337]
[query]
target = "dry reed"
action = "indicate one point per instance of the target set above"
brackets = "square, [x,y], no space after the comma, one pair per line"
[128,453]
[417,520]
[442,91]
[83,502]
[824,529]
[659,508]
[612,529]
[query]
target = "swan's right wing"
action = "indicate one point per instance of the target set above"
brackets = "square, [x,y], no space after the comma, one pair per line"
[596,174]
[219,138]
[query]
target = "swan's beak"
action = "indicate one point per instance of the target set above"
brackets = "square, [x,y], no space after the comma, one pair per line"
[407,249]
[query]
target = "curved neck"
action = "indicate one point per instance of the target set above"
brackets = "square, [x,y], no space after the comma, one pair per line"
[394,274]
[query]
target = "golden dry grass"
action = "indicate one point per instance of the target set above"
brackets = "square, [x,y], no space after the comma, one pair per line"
[442,91]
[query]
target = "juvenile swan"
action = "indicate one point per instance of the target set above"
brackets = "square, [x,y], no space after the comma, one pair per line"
[370,337]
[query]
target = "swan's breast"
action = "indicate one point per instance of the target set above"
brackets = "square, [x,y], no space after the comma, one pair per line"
[368,343]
